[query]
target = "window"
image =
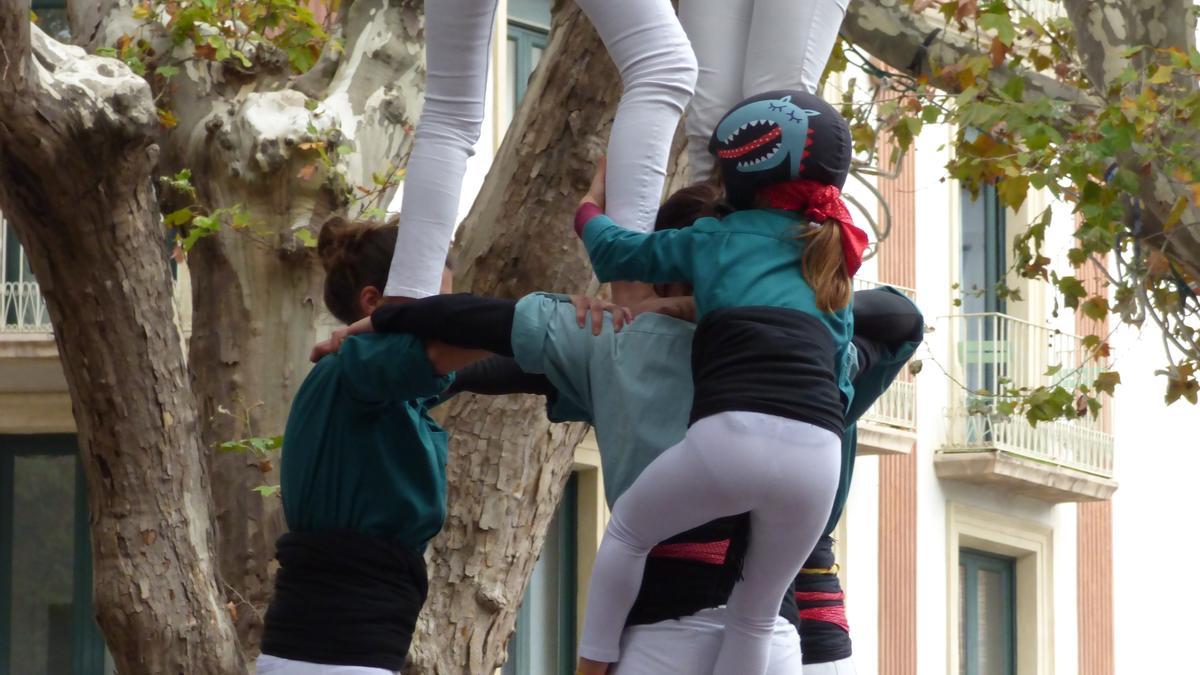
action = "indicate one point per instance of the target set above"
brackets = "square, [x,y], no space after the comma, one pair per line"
[52,18]
[46,624]
[528,34]
[982,267]
[984,242]
[986,636]
[1000,584]
[544,642]
[983,250]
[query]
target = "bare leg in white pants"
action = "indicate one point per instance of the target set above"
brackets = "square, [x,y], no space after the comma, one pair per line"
[658,70]
[782,471]
[747,47]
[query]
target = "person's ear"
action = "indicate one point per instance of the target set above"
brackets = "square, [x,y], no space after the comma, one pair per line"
[369,298]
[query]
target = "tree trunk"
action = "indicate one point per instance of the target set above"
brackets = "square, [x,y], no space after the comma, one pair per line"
[76,154]
[257,307]
[508,465]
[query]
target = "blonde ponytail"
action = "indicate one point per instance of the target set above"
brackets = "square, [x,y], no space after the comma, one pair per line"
[824,266]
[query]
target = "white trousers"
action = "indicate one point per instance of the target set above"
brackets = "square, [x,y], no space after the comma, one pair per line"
[747,47]
[689,646]
[273,665]
[782,471]
[843,667]
[658,70]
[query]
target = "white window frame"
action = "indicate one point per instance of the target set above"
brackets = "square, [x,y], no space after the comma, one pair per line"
[1032,545]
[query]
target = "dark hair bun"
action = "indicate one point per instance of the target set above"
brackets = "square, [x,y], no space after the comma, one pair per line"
[355,254]
[337,237]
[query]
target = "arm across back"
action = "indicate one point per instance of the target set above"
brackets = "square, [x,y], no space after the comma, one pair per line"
[500,375]
[460,319]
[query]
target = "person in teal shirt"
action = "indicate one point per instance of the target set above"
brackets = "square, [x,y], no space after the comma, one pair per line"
[363,482]
[771,368]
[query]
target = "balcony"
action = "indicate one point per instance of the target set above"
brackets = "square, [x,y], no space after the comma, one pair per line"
[1061,461]
[889,427]
[22,308]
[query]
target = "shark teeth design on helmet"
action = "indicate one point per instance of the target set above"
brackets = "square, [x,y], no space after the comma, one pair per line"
[764,134]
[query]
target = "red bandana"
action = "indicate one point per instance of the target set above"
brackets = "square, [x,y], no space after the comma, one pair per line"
[820,202]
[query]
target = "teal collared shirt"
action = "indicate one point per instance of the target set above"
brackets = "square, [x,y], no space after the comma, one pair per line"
[635,386]
[360,451]
[748,258]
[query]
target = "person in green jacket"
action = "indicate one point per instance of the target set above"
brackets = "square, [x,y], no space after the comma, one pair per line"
[363,481]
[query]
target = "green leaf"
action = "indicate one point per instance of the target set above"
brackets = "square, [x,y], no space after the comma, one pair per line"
[306,237]
[1096,308]
[267,490]
[1001,23]
[107,52]
[1107,382]
[167,72]
[1052,370]
[176,218]
[1015,88]
[1072,290]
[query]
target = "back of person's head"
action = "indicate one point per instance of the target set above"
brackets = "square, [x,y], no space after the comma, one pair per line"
[355,255]
[796,148]
[689,204]
[780,136]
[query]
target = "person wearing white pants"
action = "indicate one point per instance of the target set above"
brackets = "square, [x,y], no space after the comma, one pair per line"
[658,71]
[746,47]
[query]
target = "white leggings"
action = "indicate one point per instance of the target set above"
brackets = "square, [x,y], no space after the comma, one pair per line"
[747,47]
[782,471]
[658,69]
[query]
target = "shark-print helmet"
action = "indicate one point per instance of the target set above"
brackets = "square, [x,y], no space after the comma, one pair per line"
[780,136]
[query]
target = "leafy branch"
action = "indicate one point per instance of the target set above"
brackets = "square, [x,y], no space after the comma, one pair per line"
[1098,158]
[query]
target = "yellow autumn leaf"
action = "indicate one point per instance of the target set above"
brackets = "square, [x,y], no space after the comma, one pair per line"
[1162,75]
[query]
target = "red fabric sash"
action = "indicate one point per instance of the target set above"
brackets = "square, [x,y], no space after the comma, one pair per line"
[712,552]
[820,202]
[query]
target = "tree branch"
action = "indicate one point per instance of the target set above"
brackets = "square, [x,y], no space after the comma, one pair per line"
[913,44]
[14,43]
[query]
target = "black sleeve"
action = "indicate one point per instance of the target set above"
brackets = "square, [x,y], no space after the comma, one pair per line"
[869,352]
[500,375]
[885,317]
[461,320]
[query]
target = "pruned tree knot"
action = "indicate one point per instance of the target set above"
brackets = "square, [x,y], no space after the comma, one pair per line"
[491,596]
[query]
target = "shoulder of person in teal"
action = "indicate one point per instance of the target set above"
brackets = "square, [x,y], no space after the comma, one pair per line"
[360,450]
[634,386]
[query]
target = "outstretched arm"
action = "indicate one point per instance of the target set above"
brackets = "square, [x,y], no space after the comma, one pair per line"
[621,255]
[624,255]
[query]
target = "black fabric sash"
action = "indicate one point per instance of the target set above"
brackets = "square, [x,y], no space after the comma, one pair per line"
[343,598]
